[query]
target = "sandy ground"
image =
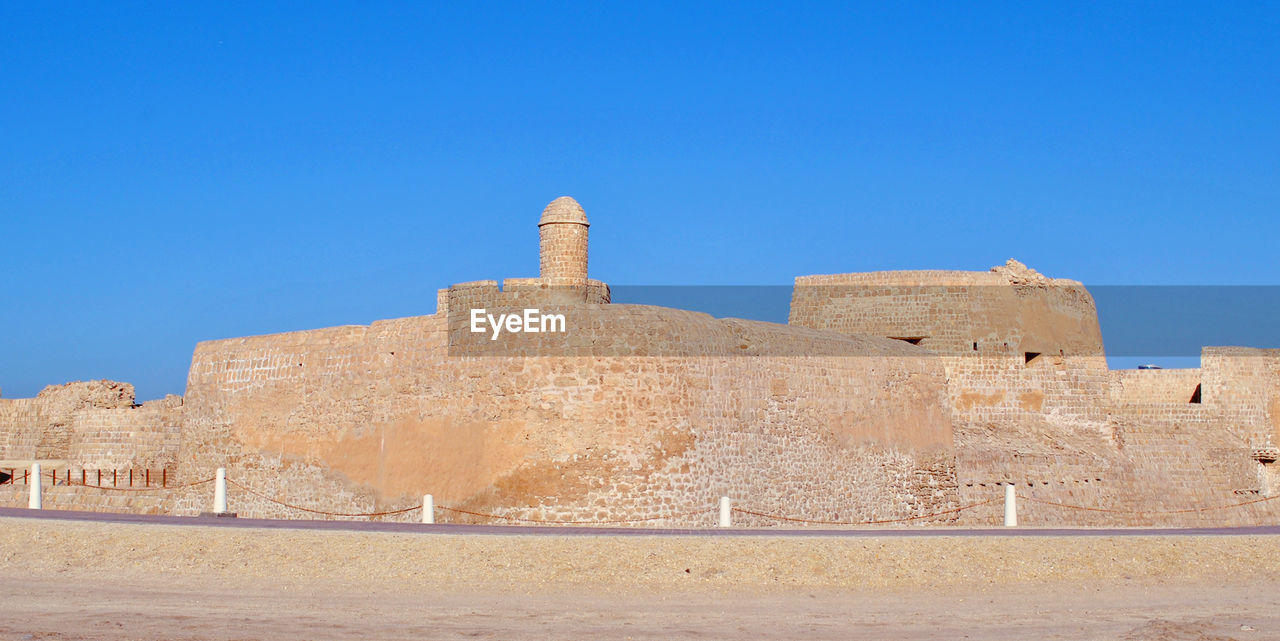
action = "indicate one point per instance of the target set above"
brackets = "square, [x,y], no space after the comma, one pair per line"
[68,580]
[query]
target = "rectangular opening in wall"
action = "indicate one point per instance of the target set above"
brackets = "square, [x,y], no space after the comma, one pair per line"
[914,340]
[1195,396]
[1029,357]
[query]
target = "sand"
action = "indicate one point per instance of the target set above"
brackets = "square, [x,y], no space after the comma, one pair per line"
[75,580]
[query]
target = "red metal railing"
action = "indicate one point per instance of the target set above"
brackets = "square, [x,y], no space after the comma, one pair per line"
[113,478]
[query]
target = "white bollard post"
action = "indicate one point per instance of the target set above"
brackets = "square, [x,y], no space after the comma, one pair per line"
[428,509]
[1010,506]
[35,501]
[220,491]
[726,510]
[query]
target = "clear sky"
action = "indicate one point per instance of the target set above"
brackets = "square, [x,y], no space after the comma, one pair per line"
[175,172]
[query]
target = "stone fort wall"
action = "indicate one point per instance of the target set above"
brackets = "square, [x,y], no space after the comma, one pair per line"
[1034,403]
[890,395]
[383,414]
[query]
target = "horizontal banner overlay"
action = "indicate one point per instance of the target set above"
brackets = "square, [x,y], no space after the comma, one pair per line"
[1019,321]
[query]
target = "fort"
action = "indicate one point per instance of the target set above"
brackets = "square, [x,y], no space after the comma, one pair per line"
[895,396]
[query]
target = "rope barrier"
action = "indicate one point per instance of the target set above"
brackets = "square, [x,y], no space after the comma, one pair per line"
[456,510]
[872,522]
[140,489]
[306,509]
[1146,512]
[604,522]
[757,513]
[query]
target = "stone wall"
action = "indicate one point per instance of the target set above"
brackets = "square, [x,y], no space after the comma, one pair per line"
[1009,310]
[1017,347]
[22,426]
[63,497]
[1244,385]
[1138,386]
[1034,403]
[371,418]
[93,424]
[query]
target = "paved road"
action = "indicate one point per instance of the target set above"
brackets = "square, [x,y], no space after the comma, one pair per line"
[555,530]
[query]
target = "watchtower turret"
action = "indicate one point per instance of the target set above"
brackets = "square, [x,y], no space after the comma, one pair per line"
[562,243]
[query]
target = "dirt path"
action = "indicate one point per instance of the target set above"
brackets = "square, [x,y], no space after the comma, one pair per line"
[94,581]
[51,609]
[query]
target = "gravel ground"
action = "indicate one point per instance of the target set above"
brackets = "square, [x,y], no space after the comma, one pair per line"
[125,581]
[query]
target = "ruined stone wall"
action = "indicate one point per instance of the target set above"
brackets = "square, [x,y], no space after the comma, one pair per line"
[91,424]
[363,419]
[1040,421]
[146,436]
[1242,385]
[1056,390]
[276,385]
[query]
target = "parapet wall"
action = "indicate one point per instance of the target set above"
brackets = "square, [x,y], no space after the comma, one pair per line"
[1144,386]
[1010,310]
[1016,346]
[518,292]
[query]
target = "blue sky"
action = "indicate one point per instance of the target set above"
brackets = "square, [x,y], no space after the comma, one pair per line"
[177,172]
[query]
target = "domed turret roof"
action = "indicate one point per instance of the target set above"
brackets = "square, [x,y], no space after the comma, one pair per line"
[563,210]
